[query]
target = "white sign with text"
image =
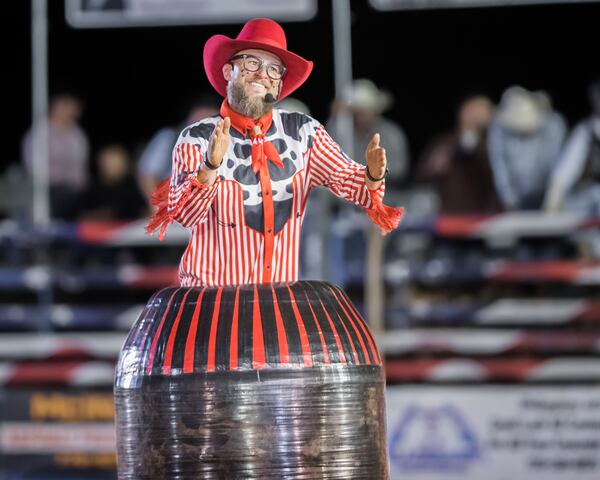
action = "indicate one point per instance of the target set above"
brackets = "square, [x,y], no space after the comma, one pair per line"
[494,432]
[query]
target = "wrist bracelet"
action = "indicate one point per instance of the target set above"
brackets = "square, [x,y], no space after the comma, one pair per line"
[210,166]
[376,179]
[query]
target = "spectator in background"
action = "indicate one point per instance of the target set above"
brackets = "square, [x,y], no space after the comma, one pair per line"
[115,195]
[154,164]
[292,104]
[575,183]
[457,163]
[367,104]
[525,139]
[68,151]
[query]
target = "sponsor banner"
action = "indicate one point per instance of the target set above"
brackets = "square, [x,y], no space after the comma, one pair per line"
[40,438]
[425,4]
[494,432]
[57,432]
[131,13]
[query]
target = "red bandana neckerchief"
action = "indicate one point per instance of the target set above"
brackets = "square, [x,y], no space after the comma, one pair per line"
[262,149]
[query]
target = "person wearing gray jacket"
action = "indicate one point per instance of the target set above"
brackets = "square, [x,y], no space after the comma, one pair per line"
[525,139]
[575,182]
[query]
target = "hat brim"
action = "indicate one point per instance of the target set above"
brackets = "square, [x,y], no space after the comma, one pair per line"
[219,49]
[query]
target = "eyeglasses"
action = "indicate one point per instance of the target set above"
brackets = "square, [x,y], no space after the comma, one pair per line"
[253,64]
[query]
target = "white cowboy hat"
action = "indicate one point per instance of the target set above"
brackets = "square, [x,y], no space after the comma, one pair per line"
[521,110]
[363,94]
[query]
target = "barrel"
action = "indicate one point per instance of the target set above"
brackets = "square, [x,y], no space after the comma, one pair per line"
[270,381]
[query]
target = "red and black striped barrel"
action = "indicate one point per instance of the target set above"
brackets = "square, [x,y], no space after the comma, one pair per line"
[254,382]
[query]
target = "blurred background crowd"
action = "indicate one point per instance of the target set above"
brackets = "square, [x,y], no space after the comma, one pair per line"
[517,153]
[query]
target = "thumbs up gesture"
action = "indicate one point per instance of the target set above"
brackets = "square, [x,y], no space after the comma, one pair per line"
[376,161]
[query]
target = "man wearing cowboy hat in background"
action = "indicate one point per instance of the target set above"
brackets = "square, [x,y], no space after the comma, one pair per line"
[367,103]
[525,139]
[240,180]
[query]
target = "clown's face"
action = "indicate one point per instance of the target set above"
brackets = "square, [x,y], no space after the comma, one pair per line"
[252,74]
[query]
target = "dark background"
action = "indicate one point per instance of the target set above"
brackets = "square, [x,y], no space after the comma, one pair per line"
[135,80]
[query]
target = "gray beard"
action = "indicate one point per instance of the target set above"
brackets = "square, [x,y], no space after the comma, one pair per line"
[254,107]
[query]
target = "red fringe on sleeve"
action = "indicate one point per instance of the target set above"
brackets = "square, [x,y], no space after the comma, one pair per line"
[162,218]
[385,217]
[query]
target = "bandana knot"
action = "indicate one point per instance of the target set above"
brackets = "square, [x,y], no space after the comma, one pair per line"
[262,150]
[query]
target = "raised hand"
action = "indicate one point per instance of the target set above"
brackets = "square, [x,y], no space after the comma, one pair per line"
[376,159]
[219,141]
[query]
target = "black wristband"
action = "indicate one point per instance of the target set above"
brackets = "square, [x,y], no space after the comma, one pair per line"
[376,179]
[210,166]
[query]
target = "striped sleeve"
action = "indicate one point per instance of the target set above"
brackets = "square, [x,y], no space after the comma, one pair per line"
[330,167]
[189,200]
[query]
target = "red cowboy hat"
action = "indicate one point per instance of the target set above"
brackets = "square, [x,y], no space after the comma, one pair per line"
[261,33]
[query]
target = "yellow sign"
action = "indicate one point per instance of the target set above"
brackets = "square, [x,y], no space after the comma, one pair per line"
[72,408]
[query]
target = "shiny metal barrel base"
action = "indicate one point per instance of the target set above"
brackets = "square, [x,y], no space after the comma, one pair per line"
[325,422]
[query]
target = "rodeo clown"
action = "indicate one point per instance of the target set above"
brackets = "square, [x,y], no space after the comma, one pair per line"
[240,180]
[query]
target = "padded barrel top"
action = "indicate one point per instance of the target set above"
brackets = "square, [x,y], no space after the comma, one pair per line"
[248,327]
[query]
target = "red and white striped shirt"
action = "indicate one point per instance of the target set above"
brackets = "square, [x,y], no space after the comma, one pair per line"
[245,228]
